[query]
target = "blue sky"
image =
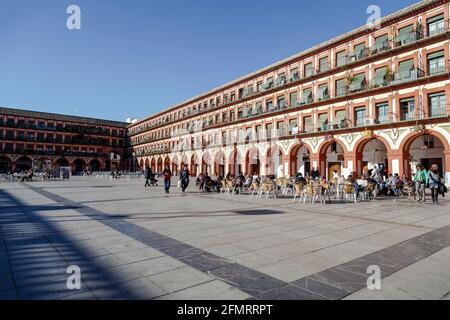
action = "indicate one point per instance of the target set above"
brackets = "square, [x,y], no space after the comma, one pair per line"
[133,58]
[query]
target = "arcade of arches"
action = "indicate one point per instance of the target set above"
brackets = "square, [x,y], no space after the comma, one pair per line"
[332,156]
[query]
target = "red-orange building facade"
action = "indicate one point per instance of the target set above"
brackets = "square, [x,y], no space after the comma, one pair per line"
[48,141]
[368,97]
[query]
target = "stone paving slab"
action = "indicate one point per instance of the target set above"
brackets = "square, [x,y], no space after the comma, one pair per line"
[137,243]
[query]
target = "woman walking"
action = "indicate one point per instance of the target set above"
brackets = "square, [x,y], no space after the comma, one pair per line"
[435,183]
[421,181]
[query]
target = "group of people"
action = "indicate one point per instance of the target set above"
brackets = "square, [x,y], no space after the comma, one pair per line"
[150,178]
[423,178]
[385,183]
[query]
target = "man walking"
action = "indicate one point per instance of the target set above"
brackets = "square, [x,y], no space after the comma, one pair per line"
[148,176]
[184,177]
[167,174]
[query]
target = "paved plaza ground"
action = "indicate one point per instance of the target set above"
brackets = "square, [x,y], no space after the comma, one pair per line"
[137,243]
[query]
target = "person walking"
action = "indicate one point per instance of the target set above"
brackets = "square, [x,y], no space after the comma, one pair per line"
[167,174]
[421,180]
[148,176]
[435,183]
[184,178]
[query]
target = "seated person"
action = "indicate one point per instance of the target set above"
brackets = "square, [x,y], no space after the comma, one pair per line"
[248,181]
[299,178]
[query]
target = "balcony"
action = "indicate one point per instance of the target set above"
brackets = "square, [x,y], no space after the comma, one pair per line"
[407,76]
[406,39]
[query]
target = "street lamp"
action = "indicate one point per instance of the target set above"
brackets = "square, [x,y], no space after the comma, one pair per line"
[134,161]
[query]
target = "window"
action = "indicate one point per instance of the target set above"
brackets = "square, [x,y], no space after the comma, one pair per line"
[293,128]
[340,88]
[323,64]
[405,70]
[381,44]
[294,74]
[232,116]
[308,70]
[258,130]
[322,122]
[269,105]
[269,84]
[435,25]
[280,102]
[259,86]
[307,124]
[307,96]
[293,99]
[341,58]
[360,116]
[281,129]
[280,80]
[436,104]
[405,36]
[340,118]
[381,77]
[436,62]
[240,113]
[269,130]
[382,112]
[323,92]
[407,109]
[358,82]
[258,108]
[359,51]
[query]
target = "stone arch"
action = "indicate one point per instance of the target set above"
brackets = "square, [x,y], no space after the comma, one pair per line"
[94,165]
[432,147]
[220,161]
[5,164]
[371,152]
[300,158]
[159,164]
[24,163]
[195,163]
[253,161]
[79,165]
[235,163]
[333,156]
[207,163]
[274,161]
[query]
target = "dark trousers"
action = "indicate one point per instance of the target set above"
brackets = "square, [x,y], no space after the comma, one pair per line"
[184,184]
[435,194]
[147,182]
[167,184]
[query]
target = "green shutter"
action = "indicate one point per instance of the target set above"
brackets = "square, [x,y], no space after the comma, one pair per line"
[340,83]
[380,73]
[406,65]
[359,78]
[435,19]
[380,41]
[360,47]
[406,30]
[340,115]
[307,92]
[436,55]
